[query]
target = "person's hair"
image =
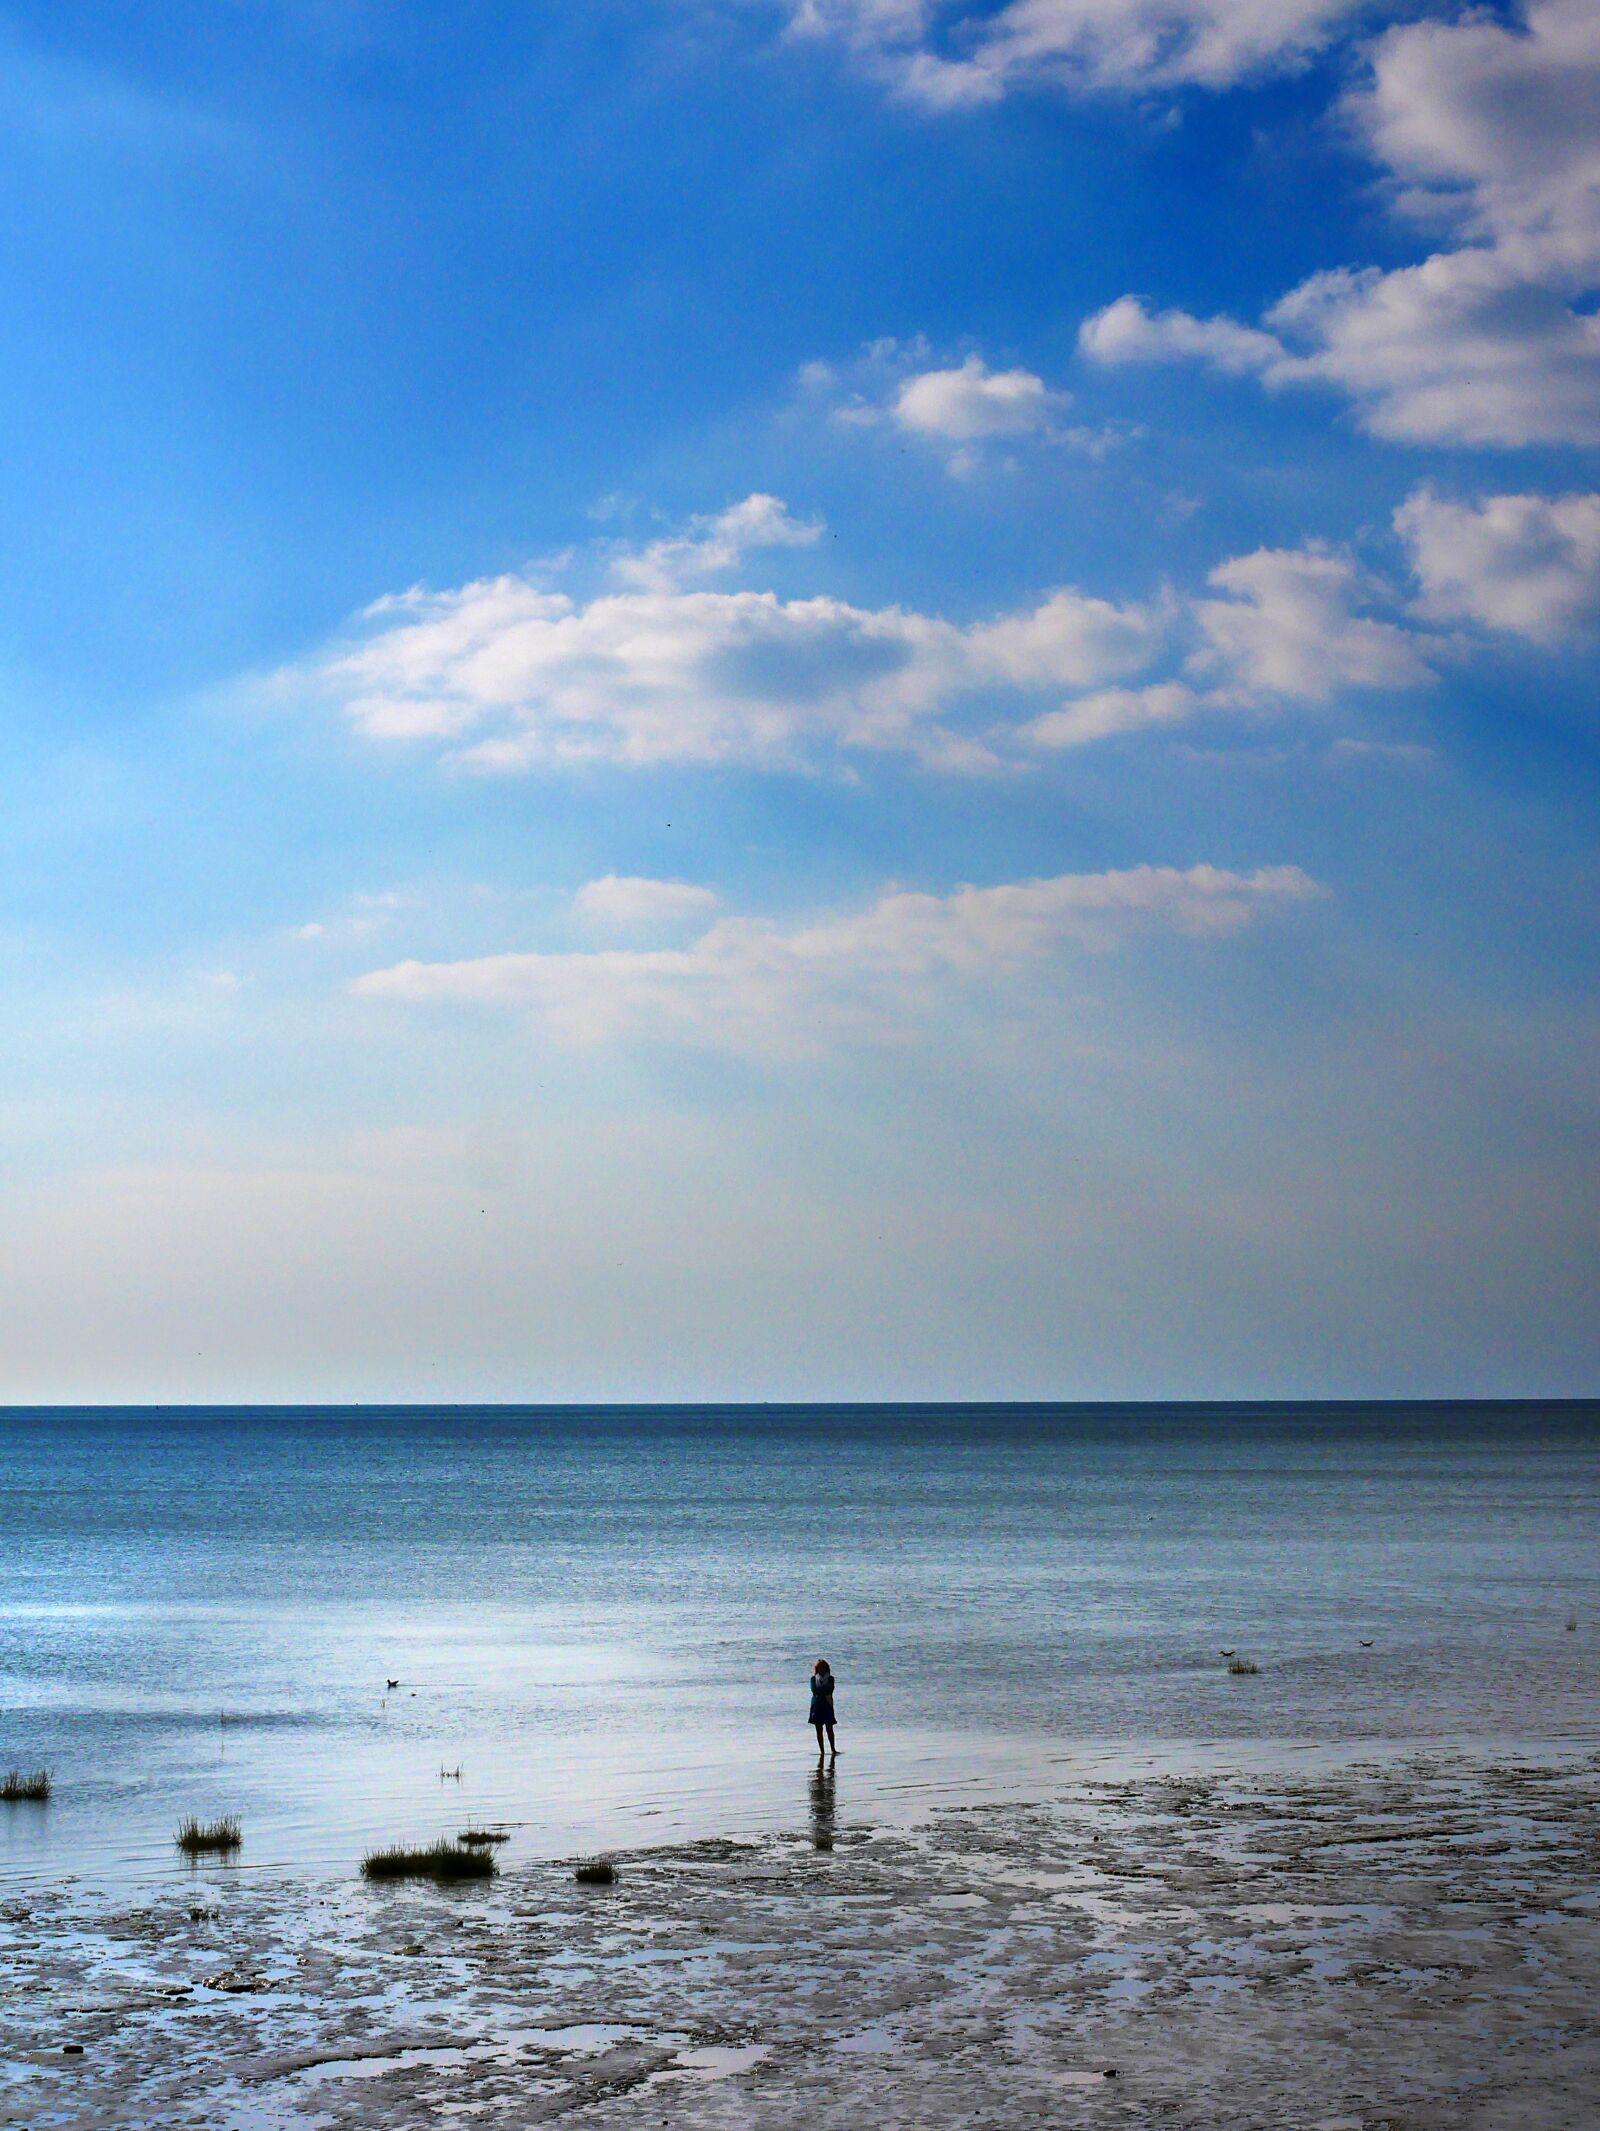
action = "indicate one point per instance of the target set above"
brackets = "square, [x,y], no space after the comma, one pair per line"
[822,1665]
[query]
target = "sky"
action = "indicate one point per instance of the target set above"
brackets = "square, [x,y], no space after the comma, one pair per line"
[779,699]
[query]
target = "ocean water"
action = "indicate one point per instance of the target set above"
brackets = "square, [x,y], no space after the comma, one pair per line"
[604,1619]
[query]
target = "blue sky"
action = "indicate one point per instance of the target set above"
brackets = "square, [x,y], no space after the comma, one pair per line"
[829,698]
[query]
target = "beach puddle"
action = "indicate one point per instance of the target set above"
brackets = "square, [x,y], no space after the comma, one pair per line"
[865,2042]
[712,2061]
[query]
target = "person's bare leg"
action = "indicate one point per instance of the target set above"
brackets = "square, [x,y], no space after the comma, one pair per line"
[817,1728]
[832,1745]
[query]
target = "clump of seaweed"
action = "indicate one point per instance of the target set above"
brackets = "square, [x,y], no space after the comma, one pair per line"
[483,1835]
[442,1861]
[598,1872]
[195,1837]
[1572,1623]
[1239,1665]
[30,1786]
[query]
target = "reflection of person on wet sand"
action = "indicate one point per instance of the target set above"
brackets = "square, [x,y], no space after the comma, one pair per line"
[822,1806]
[821,1718]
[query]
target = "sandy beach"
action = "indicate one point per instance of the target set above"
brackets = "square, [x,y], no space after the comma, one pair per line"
[1411,1945]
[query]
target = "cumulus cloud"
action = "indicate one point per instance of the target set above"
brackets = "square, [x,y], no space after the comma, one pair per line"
[973,402]
[1492,130]
[1127,332]
[507,674]
[966,410]
[1288,627]
[947,56]
[1462,349]
[1495,128]
[749,983]
[1526,564]
[622,902]
[510,675]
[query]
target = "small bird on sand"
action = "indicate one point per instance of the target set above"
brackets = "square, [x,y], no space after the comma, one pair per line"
[390,1683]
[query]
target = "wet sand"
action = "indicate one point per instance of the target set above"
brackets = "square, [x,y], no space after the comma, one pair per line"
[1409,1945]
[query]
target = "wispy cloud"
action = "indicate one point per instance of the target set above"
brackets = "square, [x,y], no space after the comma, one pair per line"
[358,917]
[715,543]
[948,56]
[1109,711]
[629,902]
[869,975]
[58,104]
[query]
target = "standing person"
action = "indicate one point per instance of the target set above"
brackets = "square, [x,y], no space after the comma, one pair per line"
[822,1705]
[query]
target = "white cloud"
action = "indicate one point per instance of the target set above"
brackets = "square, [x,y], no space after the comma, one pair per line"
[973,402]
[362,914]
[1463,349]
[508,674]
[1287,628]
[1527,564]
[970,412]
[749,983]
[946,56]
[1112,710]
[1126,332]
[1494,131]
[715,543]
[1459,350]
[623,902]
[1067,641]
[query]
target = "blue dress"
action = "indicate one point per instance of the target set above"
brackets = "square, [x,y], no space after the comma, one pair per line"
[821,1698]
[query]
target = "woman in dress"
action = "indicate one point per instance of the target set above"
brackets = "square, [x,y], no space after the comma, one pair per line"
[822,1705]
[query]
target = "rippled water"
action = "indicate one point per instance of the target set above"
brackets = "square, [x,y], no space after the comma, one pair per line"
[605,1618]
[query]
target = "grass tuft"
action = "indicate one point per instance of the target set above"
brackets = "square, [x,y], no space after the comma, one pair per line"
[195,1837]
[600,1872]
[483,1835]
[1243,1665]
[441,1861]
[32,1785]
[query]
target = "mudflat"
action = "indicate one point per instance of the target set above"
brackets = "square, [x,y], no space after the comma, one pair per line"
[1412,1945]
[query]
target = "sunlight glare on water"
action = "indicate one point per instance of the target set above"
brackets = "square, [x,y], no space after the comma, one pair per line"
[605,1618]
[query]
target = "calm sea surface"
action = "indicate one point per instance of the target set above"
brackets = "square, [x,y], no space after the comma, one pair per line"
[605,1618]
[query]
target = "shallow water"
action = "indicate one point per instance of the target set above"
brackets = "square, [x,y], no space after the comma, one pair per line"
[605,1618]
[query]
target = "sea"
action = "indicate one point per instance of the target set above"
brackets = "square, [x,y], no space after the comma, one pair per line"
[593,1626]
